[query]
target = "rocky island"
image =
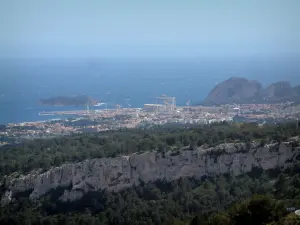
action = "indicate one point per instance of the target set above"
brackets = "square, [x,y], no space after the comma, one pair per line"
[69,101]
[242,91]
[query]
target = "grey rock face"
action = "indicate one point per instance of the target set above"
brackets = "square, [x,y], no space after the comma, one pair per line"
[115,174]
[233,90]
[240,90]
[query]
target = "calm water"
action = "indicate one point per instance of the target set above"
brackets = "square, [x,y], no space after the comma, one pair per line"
[24,82]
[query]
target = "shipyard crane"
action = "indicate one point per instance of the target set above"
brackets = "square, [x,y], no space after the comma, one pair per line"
[118,107]
[188,105]
[169,102]
[127,102]
[88,107]
[88,111]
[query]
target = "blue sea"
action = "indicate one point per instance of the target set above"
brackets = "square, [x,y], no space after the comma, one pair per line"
[23,82]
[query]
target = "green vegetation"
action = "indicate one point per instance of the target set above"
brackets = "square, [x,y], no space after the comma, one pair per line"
[260,197]
[44,153]
[185,201]
[258,210]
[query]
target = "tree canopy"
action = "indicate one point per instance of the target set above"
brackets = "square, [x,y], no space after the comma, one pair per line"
[45,153]
[259,197]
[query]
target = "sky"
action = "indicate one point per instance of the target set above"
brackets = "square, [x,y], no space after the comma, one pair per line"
[142,28]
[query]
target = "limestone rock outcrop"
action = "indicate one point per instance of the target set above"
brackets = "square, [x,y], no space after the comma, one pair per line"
[115,174]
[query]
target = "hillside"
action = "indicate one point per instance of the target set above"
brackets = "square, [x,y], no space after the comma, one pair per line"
[234,90]
[116,174]
[46,153]
[279,92]
[157,176]
[243,91]
[297,90]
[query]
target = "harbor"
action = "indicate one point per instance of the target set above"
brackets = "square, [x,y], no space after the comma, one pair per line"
[71,112]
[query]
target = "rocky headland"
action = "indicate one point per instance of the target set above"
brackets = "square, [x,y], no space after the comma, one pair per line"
[242,91]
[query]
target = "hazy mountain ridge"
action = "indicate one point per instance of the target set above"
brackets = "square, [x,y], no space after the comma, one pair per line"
[240,90]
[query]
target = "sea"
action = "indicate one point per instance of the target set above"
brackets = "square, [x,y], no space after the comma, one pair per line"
[129,82]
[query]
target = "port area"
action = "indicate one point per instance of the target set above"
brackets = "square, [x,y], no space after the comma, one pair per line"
[166,112]
[73,113]
[163,113]
[152,112]
[159,114]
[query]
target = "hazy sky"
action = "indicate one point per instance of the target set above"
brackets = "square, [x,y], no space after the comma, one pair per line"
[50,28]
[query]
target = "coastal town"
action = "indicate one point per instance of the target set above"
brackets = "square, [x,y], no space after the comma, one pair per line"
[165,111]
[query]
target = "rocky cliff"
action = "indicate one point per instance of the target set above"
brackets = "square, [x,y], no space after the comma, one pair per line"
[233,90]
[115,174]
[241,91]
[279,92]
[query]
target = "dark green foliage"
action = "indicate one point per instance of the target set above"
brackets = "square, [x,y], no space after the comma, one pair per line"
[258,210]
[184,201]
[220,219]
[199,220]
[176,202]
[44,153]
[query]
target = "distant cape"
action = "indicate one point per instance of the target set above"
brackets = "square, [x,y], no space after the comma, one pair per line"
[242,91]
[69,101]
